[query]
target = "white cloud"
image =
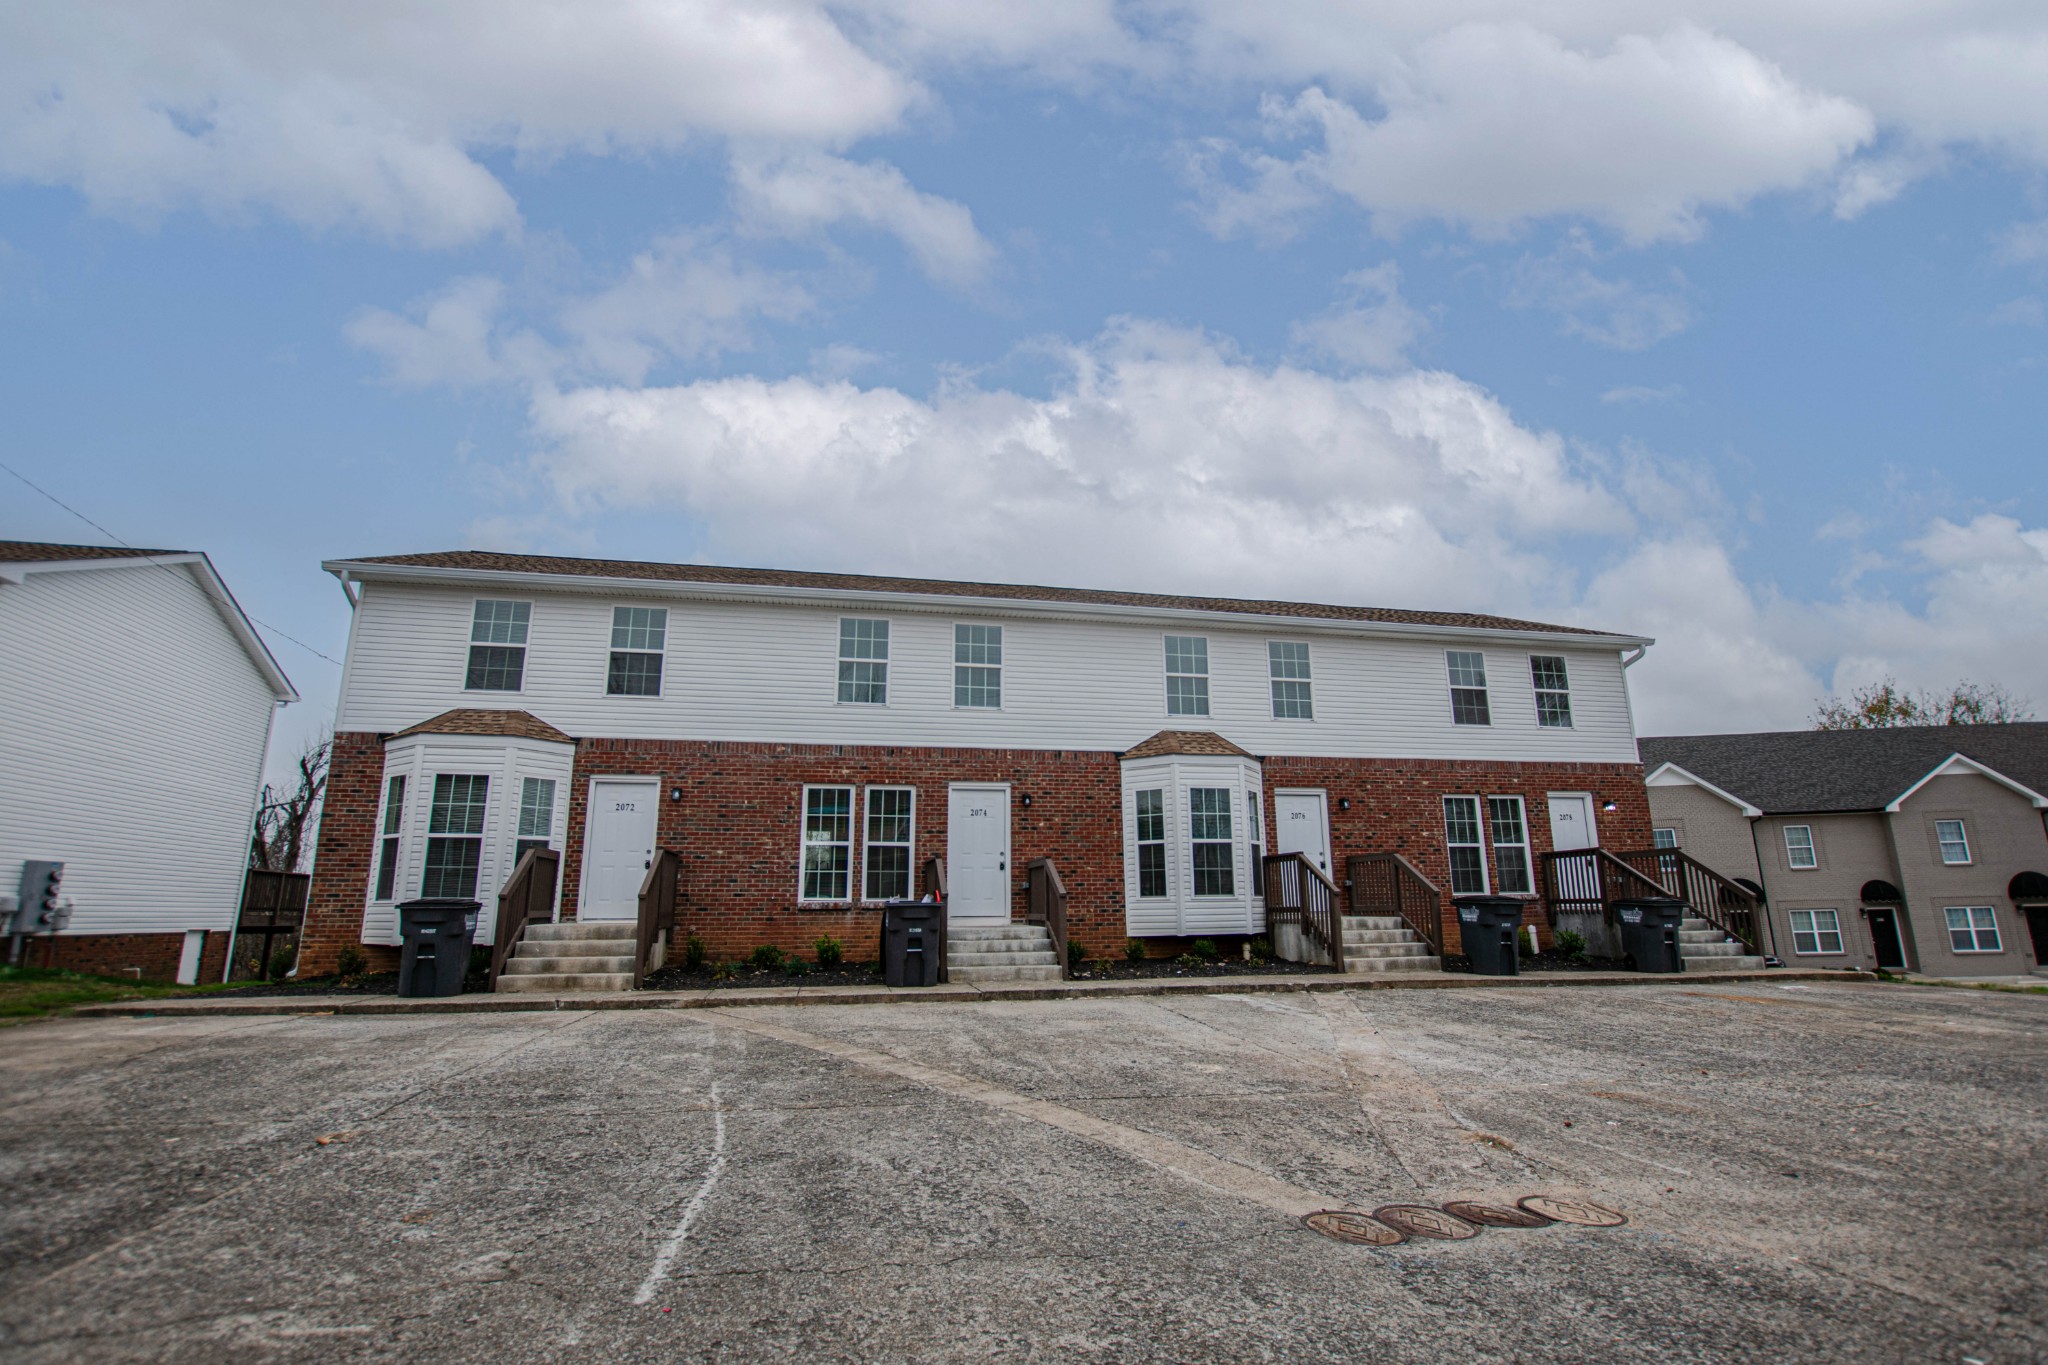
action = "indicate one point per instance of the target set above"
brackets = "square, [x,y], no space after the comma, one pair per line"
[803,193]
[1372,328]
[2025,311]
[1609,312]
[2023,243]
[452,337]
[684,298]
[1643,393]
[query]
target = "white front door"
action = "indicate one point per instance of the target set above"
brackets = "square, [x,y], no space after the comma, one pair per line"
[1571,826]
[977,853]
[1304,818]
[618,845]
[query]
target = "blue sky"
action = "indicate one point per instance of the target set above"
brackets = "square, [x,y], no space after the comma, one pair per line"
[1710,321]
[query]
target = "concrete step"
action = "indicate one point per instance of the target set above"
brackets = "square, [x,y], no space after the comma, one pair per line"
[566,981]
[996,931]
[576,947]
[1379,936]
[1385,950]
[1374,922]
[956,961]
[1723,964]
[973,976]
[522,965]
[1364,966]
[1725,948]
[584,929]
[1041,944]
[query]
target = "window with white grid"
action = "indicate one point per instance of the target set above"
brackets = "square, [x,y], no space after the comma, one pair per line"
[1288,662]
[978,667]
[1187,675]
[863,661]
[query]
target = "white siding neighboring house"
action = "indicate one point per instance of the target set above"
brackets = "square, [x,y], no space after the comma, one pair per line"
[135,710]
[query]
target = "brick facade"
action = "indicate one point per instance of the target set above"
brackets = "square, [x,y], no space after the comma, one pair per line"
[148,957]
[738,828]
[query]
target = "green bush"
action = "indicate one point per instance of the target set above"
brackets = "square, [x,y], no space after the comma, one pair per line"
[830,953]
[280,965]
[795,966]
[1203,950]
[1134,951]
[1077,956]
[724,971]
[1572,945]
[1262,950]
[351,962]
[693,952]
[766,958]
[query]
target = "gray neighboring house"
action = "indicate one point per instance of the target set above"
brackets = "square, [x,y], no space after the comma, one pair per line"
[1922,847]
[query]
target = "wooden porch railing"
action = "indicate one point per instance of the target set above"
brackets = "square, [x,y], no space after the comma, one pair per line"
[528,898]
[1589,880]
[1297,892]
[1388,884]
[1732,909]
[657,907]
[1046,903]
[931,882]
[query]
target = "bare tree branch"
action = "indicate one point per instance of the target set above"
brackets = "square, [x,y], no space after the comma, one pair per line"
[278,843]
[1884,704]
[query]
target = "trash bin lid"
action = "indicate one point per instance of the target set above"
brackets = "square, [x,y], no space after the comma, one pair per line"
[437,910]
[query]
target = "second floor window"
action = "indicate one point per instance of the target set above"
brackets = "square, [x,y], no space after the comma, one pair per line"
[455,830]
[1553,690]
[863,661]
[639,636]
[978,666]
[497,647]
[1291,684]
[1955,844]
[1468,687]
[1187,675]
[1799,851]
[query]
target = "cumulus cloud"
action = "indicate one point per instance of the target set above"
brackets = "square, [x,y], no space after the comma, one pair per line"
[1372,328]
[803,193]
[1617,313]
[452,338]
[685,298]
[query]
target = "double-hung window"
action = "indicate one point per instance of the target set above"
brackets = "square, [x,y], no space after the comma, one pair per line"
[1799,850]
[394,822]
[828,844]
[1816,931]
[978,666]
[1972,929]
[863,661]
[1465,840]
[1152,843]
[1954,841]
[1209,833]
[1553,690]
[1255,839]
[1288,663]
[1467,670]
[497,646]
[455,830]
[639,637]
[885,862]
[536,815]
[1664,838]
[1187,675]
[1510,845]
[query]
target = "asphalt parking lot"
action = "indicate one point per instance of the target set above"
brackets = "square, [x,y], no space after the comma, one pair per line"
[1810,1172]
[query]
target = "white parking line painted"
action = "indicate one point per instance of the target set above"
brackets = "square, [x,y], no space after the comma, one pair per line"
[666,1256]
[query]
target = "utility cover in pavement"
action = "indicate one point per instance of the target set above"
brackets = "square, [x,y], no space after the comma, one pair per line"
[1346,1226]
[1420,1220]
[1573,1211]
[1496,1215]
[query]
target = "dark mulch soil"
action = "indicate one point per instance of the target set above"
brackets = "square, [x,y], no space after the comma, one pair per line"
[744,977]
[383,983]
[1545,962]
[1155,968]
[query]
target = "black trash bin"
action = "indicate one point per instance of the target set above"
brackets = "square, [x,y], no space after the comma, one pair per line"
[1489,925]
[912,942]
[437,934]
[1649,933]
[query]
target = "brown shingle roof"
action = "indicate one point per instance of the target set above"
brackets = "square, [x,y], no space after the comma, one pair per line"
[35,552]
[490,561]
[1203,742]
[477,721]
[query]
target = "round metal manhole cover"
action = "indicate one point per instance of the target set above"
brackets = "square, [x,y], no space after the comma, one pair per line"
[1420,1220]
[1579,1211]
[1496,1215]
[1346,1226]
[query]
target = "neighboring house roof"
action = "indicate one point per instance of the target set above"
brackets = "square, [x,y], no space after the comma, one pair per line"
[1817,771]
[21,558]
[479,721]
[492,562]
[1200,742]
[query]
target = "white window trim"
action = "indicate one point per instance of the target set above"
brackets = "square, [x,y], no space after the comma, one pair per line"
[1671,830]
[604,682]
[1002,689]
[1273,702]
[1255,882]
[1997,930]
[1792,862]
[1792,921]
[1537,693]
[1451,689]
[1240,885]
[1135,891]
[494,804]
[405,775]
[1527,845]
[853,831]
[1962,837]
[838,658]
[1485,863]
[525,649]
[1167,675]
[866,795]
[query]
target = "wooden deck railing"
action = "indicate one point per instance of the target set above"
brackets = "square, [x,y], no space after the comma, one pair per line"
[1589,880]
[1388,884]
[1732,909]
[657,907]
[1046,903]
[931,882]
[528,898]
[1297,892]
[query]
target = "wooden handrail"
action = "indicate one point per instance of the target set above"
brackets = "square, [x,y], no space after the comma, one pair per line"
[528,897]
[657,907]
[1388,884]
[1732,909]
[1589,881]
[1298,892]
[1047,904]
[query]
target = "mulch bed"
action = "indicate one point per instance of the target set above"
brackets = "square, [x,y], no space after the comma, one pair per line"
[744,977]
[383,983]
[1545,962]
[1155,968]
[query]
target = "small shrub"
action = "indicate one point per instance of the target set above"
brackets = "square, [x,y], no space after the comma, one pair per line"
[351,962]
[1077,956]
[1572,945]
[1134,951]
[1203,950]
[795,966]
[693,952]
[1262,950]
[1187,962]
[280,965]
[766,958]
[830,953]
[724,971]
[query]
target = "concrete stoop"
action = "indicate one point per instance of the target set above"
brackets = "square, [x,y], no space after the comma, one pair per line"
[1000,952]
[1384,943]
[595,955]
[1707,949]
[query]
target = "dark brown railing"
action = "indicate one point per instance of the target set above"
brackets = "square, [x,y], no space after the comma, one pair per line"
[1720,902]
[528,898]
[1388,884]
[1588,881]
[657,907]
[1046,903]
[1297,892]
[931,882]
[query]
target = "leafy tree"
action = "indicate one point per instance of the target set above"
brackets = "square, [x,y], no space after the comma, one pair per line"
[1881,705]
[285,820]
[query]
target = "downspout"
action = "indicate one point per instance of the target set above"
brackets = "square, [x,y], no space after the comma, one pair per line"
[1629,661]
[346,589]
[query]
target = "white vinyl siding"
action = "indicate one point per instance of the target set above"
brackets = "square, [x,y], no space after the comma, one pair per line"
[750,672]
[1816,932]
[133,724]
[1186,845]
[1799,849]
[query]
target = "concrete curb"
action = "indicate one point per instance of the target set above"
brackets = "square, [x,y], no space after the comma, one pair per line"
[884,995]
